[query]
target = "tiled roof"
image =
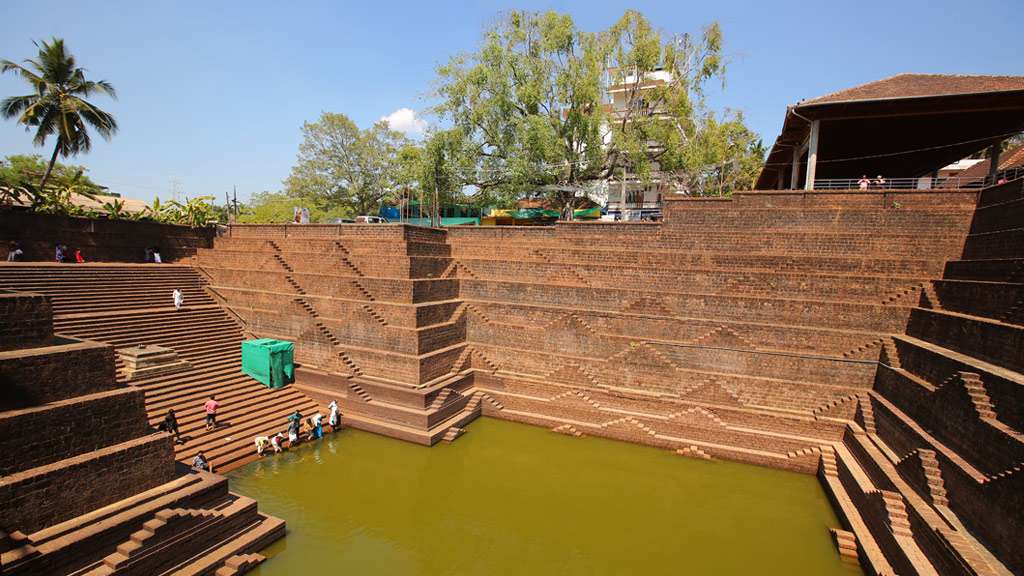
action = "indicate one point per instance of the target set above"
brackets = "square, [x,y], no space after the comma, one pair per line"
[919,86]
[1012,158]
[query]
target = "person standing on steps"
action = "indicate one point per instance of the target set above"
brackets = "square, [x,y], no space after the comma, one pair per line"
[334,419]
[59,255]
[179,299]
[294,425]
[79,259]
[170,424]
[211,407]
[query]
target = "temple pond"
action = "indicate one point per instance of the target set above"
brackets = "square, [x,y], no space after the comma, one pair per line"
[509,498]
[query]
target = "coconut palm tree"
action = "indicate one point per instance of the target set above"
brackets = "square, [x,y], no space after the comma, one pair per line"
[57,105]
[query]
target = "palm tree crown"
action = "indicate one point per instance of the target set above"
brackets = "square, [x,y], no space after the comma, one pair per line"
[57,105]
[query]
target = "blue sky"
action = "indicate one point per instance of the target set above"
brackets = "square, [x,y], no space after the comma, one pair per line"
[213,94]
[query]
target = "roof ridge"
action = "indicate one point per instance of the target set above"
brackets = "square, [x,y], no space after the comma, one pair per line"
[851,93]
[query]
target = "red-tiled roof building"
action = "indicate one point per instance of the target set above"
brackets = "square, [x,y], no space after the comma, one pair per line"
[905,126]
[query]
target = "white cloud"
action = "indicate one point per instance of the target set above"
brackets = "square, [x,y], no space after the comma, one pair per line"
[405,120]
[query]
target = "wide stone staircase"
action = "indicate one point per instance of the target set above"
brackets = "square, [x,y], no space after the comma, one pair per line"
[127,305]
[86,486]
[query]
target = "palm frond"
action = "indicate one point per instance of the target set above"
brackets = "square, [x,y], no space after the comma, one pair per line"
[15,105]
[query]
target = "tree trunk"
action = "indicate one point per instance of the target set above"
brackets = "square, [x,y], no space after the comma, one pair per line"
[49,167]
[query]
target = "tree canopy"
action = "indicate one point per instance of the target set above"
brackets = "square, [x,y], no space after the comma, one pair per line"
[341,166]
[57,105]
[534,108]
[20,171]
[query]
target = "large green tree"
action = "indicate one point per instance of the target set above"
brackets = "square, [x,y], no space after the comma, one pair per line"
[534,106]
[341,166]
[57,105]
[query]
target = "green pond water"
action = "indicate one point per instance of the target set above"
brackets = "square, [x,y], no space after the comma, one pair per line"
[508,498]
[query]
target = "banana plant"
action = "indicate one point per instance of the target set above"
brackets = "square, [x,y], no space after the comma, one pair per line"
[114,209]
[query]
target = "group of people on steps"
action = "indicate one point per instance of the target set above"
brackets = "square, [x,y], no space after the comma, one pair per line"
[312,428]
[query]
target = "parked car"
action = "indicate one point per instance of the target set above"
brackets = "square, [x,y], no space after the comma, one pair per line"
[371,220]
[341,221]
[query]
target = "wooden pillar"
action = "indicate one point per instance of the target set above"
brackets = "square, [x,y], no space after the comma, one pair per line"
[812,155]
[794,173]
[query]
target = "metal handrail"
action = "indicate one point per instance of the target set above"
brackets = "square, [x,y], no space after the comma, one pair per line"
[921,183]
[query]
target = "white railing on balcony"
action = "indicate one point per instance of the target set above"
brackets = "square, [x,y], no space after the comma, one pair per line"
[922,183]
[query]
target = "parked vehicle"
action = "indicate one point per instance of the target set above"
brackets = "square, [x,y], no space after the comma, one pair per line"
[371,220]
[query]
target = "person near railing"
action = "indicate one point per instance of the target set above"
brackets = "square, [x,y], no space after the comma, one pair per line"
[864,182]
[879,182]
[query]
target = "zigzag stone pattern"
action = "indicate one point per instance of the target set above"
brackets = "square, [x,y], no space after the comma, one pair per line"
[865,336]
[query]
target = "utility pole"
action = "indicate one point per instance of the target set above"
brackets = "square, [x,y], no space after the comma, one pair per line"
[236,200]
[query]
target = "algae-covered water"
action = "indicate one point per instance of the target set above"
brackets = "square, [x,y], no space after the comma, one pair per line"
[508,498]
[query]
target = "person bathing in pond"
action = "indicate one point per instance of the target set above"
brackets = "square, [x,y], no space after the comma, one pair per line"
[262,444]
[316,423]
[334,419]
[211,407]
[179,299]
[170,424]
[275,442]
[201,463]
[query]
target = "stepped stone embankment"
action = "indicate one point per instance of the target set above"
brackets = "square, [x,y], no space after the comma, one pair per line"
[86,485]
[869,336]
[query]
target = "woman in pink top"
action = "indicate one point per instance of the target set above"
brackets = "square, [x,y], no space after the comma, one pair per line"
[211,412]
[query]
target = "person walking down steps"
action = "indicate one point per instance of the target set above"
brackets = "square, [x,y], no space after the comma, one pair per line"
[170,424]
[179,299]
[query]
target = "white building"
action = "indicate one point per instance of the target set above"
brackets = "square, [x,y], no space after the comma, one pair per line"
[628,196]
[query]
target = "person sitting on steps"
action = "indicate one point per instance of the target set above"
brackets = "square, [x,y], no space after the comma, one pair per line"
[179,299]
[201,463]
[14,252]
